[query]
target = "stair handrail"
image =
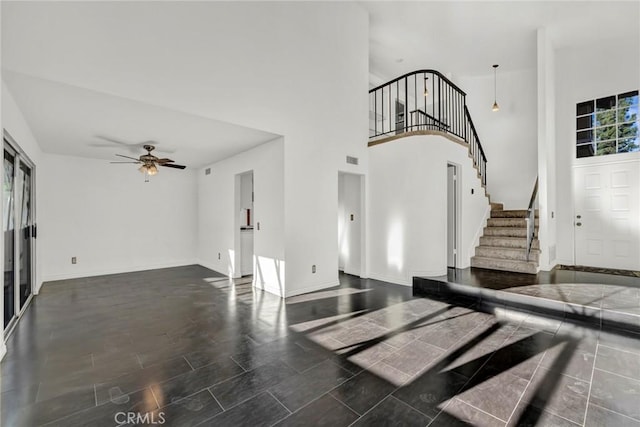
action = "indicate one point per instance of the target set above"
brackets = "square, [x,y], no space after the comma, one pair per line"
[531,218]
[425,100]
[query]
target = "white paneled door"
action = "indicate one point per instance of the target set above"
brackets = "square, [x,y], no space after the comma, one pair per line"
[607,215]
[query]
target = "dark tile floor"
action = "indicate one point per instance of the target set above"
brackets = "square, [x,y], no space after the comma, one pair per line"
[606,299]
[186,347]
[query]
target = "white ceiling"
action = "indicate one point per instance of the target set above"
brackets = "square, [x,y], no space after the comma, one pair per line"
[465,38]
[139,71]
[79,122]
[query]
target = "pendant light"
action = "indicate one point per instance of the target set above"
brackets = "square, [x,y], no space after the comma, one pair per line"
[495,107]
[426,90]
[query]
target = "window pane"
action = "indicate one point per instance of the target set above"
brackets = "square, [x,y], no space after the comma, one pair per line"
[628,145]
[608,147]
[605,133]
[584,108]
[605,103]
[629,98]
[584,136]
[584,122]
[606,118]
[627,113]
[628,130]
[584,150]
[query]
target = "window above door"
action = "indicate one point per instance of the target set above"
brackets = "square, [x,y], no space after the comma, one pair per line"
[608,125]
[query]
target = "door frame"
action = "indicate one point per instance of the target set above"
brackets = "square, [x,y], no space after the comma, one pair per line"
[20,156]
[237,232]
[457,215]
[363,222]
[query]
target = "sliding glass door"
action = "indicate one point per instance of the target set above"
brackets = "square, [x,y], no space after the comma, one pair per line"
[19,233]
[23,217]
[9,239]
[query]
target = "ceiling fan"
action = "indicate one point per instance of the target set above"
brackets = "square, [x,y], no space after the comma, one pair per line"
[150,162]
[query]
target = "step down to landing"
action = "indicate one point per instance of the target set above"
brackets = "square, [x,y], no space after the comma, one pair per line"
[540,299]
[517,266]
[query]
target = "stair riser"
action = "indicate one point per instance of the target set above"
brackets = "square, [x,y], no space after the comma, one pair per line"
[510,214]
[504,253]
[508,222]
[504,265]
[507,243]
[506,232]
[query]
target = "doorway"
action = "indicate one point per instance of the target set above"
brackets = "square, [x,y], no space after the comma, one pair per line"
[19,232]
[607,215]
[245,224]
[351,255]
[452,215]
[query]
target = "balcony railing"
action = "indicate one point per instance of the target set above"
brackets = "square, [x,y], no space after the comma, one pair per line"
[424,100]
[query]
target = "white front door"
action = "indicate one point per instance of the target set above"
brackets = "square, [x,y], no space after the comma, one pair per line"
[607,215]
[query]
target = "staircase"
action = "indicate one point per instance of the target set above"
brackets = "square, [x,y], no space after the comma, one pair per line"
[503,245]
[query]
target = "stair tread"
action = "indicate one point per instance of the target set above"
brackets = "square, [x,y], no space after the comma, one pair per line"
[507,247]
[484,258]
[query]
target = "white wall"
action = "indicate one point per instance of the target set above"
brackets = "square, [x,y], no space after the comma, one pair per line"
[350,231]
[218,227]
[408,207]
[508,136]
[113,221]
[547,181]
[579,77]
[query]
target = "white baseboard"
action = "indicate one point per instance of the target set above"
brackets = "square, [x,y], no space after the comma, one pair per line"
[209,266]
[117,270]
[312,288]
[479,232]
[396,280]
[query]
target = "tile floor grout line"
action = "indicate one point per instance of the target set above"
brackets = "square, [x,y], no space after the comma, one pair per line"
[615,412]
[479,410]
[154,397]
[190,365]
[412,407]
[535,371]
[635,353]
[281,404]
[593,370]
[342,403]
[371,409]
[616,374]
[139,361]
[216,399]
[237,363]
[38,391]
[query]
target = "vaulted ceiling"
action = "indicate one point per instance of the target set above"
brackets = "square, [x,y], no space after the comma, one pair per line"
[85,73]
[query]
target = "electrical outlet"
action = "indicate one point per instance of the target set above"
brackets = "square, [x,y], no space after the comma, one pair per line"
[74,260]
[313,268]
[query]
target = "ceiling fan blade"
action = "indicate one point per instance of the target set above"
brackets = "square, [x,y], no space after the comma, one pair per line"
[163,161]
[170,165]
[127,157]
[135,163]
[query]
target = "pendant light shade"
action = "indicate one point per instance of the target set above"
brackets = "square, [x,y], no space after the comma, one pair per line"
[495,106]
[426,89]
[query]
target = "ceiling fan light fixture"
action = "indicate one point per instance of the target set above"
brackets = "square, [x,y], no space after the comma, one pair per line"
[152,169]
